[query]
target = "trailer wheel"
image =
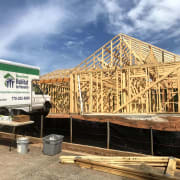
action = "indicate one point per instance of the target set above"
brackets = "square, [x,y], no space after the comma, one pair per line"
[4,111]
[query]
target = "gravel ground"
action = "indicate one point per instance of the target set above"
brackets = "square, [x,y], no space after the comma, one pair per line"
[36,166]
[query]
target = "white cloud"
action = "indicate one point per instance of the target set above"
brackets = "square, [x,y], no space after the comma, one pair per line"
[163,15]
[37,21]
[89,37]
[112,6]
[140,9]
[74,44]
[145,17]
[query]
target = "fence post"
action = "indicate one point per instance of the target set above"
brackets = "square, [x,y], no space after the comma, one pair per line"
[42,123]
[108,135]
[152,144]
[70,129]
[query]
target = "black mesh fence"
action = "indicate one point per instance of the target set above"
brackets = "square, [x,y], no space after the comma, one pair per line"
[130,139]
[92,133]
[121,137]
[83,132]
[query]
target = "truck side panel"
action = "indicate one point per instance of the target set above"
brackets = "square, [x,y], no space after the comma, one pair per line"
[16,86]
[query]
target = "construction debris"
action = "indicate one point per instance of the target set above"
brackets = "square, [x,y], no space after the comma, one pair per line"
[125,166]
[122,170]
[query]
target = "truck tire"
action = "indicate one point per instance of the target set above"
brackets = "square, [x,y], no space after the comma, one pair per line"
[46,109]
[15,112]
[4,111]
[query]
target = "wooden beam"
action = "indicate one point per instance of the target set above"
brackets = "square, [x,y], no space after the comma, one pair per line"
[121,170]
[55,80]
[111,53]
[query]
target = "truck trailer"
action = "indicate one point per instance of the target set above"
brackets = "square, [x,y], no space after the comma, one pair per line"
[18,93]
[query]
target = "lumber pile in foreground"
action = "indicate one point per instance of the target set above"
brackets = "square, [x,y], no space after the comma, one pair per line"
[127,166]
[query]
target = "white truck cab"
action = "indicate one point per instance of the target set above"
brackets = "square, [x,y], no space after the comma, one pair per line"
[40,100]
[17,92]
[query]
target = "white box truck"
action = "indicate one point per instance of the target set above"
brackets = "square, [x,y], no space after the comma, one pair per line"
[17,92]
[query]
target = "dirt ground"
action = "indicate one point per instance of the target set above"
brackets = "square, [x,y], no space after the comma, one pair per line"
[36,166]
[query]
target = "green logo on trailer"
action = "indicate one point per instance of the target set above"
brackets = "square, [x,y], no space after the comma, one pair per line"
[9,80]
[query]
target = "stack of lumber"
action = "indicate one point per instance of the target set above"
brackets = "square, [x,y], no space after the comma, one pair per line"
[21,118]
[120,165]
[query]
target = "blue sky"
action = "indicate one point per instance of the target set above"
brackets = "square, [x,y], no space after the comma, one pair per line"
[59,34]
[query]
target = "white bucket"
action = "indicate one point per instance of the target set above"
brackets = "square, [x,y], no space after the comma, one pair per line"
[22,145]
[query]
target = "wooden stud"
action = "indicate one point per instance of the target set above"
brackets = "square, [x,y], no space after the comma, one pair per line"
[117,91]
[71,93]
[178,83]
[91,96]
[102,101]
[97,93]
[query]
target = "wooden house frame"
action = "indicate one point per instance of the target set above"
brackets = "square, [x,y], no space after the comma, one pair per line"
[125,75]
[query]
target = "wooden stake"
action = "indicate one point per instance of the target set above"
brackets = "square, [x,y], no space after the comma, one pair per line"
[71,129]
[152,148]
[108,135]
[42,123]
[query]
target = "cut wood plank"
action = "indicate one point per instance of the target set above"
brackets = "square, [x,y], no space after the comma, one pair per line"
[171,167]
[151,161]
[119,158]
[109,170]
[121,170]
